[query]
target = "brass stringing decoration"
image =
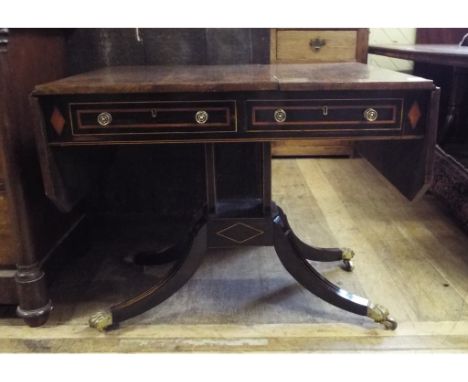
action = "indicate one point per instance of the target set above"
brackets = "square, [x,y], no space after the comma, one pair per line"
[240,233]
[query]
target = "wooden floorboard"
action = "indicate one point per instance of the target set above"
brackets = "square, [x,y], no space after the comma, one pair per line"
[410,257]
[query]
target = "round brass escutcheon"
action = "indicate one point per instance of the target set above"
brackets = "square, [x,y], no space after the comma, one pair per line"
[104,119]
[201,116]
[371,115]
[280,115]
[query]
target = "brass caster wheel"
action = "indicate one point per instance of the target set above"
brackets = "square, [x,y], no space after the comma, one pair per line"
[348,265]
[390,323]
[101,320]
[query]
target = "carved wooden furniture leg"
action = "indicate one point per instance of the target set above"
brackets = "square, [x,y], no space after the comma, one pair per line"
[179,274]
[310,252]
[297,265]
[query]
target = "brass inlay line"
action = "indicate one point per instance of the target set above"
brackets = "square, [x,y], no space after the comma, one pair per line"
[243,139]
[258,233]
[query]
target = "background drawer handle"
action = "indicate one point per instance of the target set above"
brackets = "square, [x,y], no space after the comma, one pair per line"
[201,117]
[317,44]
[280,115]
[371,115]
[104,119]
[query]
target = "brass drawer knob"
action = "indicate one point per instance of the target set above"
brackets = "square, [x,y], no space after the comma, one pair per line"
[317,44]
[104,119]
[280,115]
[201,117]
[371,115]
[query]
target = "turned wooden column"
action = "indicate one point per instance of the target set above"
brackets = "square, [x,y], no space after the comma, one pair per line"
[39,230]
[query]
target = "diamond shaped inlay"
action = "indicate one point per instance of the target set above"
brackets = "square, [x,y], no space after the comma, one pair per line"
[239,233]
[414,114]
[57,121]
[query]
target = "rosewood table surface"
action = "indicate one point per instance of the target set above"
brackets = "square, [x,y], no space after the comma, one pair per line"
[233,113]
[212,78]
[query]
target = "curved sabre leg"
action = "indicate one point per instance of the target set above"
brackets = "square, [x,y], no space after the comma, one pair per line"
[179,274]
[167,254]
[313,281]
[310,252]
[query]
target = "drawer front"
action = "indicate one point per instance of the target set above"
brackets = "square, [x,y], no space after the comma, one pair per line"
[326,115]
[153,117]
[315,46]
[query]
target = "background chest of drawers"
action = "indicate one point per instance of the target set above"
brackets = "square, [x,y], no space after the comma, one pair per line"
[313,46]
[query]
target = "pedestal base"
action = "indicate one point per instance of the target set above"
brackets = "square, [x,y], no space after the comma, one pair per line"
[293,253]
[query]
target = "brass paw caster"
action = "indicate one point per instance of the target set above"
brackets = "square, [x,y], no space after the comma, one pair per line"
[381,315]
[346,256]
[101,320]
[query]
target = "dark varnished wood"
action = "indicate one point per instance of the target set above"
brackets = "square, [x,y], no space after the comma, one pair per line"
[237,176]
[440,35]
[184,267]
[301,88]
[315,125]
[8,287]
[298,266]
[408,165]
[441,54]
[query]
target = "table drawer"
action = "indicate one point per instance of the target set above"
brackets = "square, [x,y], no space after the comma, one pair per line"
[326,114]
[153,117]
[315,46]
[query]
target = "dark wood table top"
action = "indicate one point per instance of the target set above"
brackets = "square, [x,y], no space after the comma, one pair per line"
[452,55]
[214,78]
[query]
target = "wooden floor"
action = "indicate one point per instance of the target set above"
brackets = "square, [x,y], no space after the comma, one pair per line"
[410,257]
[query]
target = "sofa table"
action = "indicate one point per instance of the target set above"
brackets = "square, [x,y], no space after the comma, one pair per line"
[391,115]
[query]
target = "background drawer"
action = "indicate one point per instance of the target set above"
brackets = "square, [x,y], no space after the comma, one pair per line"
[316,45]
[292,46]
[153,117]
